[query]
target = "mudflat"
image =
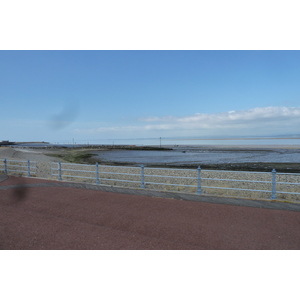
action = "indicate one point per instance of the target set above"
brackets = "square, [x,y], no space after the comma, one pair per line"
[284,158]
[240,158]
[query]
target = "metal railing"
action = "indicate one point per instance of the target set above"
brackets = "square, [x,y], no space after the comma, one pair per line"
[262,185]
[19,167]
[68,171]
[211,181]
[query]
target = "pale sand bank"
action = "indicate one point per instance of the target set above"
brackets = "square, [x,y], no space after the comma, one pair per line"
[26,154]
[43,161]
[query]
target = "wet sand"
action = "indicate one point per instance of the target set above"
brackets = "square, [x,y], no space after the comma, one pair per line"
[248,158]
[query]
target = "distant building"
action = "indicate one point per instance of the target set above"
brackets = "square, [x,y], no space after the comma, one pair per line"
[6,143]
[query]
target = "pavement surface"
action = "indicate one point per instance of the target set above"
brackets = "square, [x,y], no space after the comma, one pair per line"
[43,214]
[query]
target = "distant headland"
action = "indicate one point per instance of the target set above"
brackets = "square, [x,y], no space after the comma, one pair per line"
[9,143]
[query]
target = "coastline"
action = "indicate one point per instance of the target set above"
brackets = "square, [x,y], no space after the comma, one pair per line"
[160,176]
[90,156]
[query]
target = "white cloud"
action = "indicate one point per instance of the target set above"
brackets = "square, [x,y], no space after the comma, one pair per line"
[257,121]
[252,118]
[106,129]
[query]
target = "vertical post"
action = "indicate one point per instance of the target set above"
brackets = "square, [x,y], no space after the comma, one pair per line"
[28,168]
[5,166]
[59,171]
[273,184]
[142,177]
[199,181]
[97,174]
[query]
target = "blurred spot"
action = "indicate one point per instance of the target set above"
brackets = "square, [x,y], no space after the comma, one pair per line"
[65,118]
[20,193]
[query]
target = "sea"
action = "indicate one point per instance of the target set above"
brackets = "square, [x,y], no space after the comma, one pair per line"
[193,151]
[172,142]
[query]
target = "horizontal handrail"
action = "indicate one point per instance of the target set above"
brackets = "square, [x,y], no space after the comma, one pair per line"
[129,174]
[290,183]
[17,170]
[237,180]
[72,170]
[175,184]
[228,171]
[165,169]
[296,174]
[292,193]
[178,177]
[112,179]
[238,189]
[77,176]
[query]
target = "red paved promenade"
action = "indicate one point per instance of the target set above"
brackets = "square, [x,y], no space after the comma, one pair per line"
[39,214]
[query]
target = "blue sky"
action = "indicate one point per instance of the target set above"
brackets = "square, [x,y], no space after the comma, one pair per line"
[56,96]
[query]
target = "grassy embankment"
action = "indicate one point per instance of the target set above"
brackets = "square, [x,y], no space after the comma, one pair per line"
[85,156]
[73,156]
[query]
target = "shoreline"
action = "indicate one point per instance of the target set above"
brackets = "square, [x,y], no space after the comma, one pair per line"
[87,155]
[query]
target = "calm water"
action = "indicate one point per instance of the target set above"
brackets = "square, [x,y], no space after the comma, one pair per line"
[197,151]
[173,142]
[197,142]
[190,155]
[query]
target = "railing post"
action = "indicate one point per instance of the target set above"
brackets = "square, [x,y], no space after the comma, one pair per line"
[273,184]
[199,181]
[59,171]
[28,168]
[5,166]
[142,177]
[97,174]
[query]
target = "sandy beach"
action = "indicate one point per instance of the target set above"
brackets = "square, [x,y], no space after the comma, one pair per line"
[26,154]
[38,155]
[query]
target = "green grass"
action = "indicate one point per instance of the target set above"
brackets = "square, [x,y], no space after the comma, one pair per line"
[74,156]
